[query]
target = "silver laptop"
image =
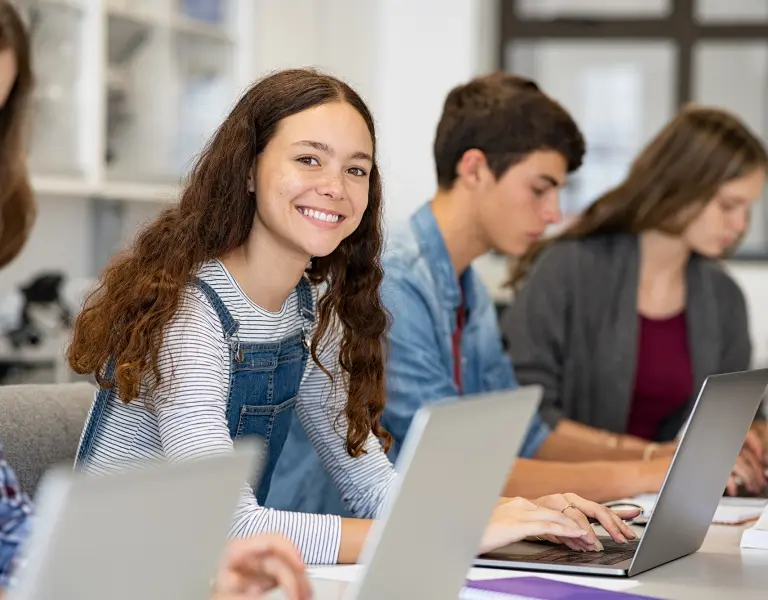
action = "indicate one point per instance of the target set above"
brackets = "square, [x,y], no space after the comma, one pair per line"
[688,499]
[153,532]
[453,465]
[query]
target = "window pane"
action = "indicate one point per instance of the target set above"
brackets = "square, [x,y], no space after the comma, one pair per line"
[730,11]
[741,90]
[619,93]
[552,9]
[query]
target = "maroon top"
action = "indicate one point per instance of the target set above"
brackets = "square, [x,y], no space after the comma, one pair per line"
[664,376]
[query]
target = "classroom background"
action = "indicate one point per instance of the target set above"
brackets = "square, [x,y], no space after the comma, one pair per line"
[129,90]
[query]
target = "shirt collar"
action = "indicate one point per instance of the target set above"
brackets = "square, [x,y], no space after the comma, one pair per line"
[432,246]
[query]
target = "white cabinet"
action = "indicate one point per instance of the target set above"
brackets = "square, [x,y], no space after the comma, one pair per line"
[129,90]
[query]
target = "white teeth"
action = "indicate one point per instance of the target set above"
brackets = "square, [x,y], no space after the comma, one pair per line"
[320,216]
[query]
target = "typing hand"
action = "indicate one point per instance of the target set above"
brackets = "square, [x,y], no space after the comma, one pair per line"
[581,511]
[755,444]
[253,566]
[749,471]
[516,519]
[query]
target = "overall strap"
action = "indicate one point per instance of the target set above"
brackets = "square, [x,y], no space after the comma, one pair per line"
[306,306]
[98,408]
[228,324]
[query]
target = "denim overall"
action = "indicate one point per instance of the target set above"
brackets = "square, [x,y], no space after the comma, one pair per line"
[263,386]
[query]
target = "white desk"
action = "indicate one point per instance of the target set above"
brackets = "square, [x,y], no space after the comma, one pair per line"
[720,570]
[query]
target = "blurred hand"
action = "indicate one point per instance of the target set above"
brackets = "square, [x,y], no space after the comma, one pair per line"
[581,511]
[255,565]
[666,450]
[755,444]
[651,473]
[749,470]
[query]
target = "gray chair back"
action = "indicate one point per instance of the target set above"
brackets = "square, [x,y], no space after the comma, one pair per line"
[40,426]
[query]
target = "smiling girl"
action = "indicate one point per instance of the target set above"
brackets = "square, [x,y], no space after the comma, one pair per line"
[255,296]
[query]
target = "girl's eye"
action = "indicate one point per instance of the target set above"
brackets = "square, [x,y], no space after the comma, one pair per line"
[357,172]
[308,160]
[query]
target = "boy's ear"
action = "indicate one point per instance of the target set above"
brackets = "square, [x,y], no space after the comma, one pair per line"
[472,167]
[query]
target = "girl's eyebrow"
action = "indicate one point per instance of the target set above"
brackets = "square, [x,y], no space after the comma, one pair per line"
[323,147]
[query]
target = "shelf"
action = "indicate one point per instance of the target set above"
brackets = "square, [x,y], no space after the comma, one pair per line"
[129,191]
[61,186]
[135,16]
[139,192]
[190,26]
[73,4]
[179,23]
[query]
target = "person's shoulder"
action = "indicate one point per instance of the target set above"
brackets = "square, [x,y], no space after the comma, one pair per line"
[195,312]
[591,251]
[405,266]
[557,257]
[723,284]
[401,248]
[597,246]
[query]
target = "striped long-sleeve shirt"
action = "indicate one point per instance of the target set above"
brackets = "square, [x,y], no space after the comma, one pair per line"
[187,414]
[15,512]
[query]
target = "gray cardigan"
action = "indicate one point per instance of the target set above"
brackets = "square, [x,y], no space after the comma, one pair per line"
[573,329]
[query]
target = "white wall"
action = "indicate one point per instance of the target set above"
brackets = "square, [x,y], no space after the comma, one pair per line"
[424,48]
[60,241]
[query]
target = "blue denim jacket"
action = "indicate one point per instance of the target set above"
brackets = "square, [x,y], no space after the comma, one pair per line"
[422,293]
[15,513]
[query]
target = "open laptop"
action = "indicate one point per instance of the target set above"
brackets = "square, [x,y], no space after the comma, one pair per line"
[689,496]
[453,465]
[154,532]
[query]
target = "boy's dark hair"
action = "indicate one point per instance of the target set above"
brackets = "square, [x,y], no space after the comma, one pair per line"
[506,117]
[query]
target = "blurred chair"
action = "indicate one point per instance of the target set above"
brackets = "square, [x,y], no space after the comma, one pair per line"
[40,426]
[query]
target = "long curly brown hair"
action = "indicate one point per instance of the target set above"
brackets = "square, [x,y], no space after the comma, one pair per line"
[140,290]
[17,202]
[682,167]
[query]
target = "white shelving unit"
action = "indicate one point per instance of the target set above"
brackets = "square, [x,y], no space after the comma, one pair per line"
[126,94]
[128,90]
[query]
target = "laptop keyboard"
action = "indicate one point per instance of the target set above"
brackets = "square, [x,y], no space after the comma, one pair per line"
[613,554]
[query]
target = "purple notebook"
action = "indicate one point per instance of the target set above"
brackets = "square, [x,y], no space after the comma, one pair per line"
[538,588]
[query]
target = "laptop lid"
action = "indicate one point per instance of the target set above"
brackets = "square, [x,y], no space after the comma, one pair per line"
[700,468]
[151,532]
[689,496]
[453,465]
